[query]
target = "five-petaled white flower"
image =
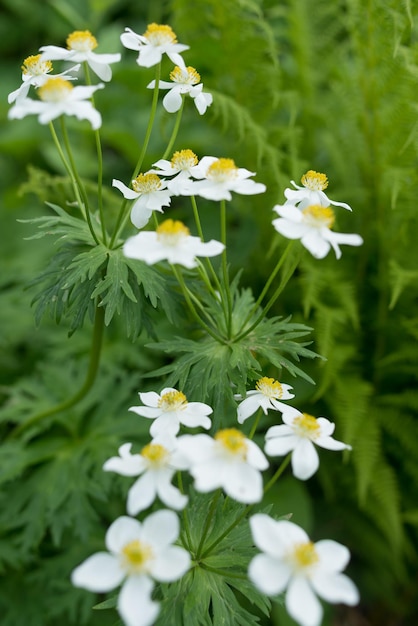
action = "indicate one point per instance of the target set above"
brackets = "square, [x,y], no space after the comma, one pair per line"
[170,409]
[229,460]
[150,193]
[218,177]
[289,560]
[267,394]
[312,192]
[36,72]
[80,46]
[171,242]
[156,464]
[139,552]
[312,225]
[298,435]
[59,97]
[181,168]
[185,80]
[158,39]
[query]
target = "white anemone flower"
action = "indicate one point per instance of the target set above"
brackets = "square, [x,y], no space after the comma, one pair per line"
[36,72]
[312,225]
[267,394]
[218,177]
[59,97]
[150,194]
[156,465]
[185,80]
[171,242]
[169,409]
[158,39]
[80,46]
[298,435]
[229,460]
[312,191]
[181,168]
[290,561]
[139,553]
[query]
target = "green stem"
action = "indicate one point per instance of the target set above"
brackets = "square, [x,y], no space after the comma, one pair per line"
[278,473]
[226,288]
[208,522]
[270,280]
[226,532]
[185,516]
[256,422]
[175,130]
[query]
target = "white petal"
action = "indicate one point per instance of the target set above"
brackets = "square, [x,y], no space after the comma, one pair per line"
[161,528]
[102,70]
[281,445]
[244,483]
[171,564]
[290,533]
[144,411]
[248,187]
[172,100]
[100,573]
[302,604]
[165,424]
[333,556]
[126,464]
[268,574]
[315,243]
[129,194]
[150,398]
[265,534]
[331,444]
[255,457]
[140,214]
[142,493]
[123,530]
[291,230]
[305,460]
[130,40]
[208,475]
[170,495]
[248,407]
[289,212]
[336,588]
[135,605]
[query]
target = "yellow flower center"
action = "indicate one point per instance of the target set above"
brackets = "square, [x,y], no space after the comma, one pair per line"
[269,387]
[171,232]
[304,555]
[146,183]
[317,215]
[172,400]
[155,454]
[184,159]
[160,34]
[32,66]
[187,76]
[136,556]
[233,441]
[55,89]
[307,426]
[222,170]
[82,41]
[315,181]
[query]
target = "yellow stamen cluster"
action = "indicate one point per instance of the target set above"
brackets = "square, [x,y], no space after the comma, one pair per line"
[222,170]
[33,66]
[315,181]
[270,387]
[184,159]
[318,215]
[307,426]
[172,400]
[233,441]
[55,89]
[146,183]
[82,41]
[155,453]
[304,555]
[187,76]
[136,556]
[160,34]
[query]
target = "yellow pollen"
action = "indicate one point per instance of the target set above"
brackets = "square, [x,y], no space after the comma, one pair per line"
[222,170]
[184,159]
[155,453]
[172,400]
[55,89]
[305,555]
[270,387]
[32,66]
[307,426]
[318,215]
[82,41]
[160,34]
[189,76]
[315,181]
[136,556]
[146,183]
[233,441]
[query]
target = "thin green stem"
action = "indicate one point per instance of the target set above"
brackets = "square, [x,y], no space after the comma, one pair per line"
[256,422]
[175,130]
[185,516]
[208,522]
[226,288]
[278,472]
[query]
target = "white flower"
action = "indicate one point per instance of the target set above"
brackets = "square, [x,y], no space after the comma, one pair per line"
[312,192]
[266,395]
[59,97]
[156,464]
[298,435]
[138,553]
[218,177]
[172,242]
[157,40]
[186,81]
[312,225]
[80,46]
[36,72]
[181,168]
[290,560]
[229,460]
[150,193]
[170,409]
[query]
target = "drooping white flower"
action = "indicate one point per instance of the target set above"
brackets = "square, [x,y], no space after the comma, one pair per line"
[156,465]
[312,192]
[150,193]
[80,46]
[171,242]
[229,460]
[298,435]
[289,560]
[59,97]
[185,80]
[218,177]
[36,72]
[312,225]
[139,553]
[170,409]
[181,168]
[267,394]
[158,39]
